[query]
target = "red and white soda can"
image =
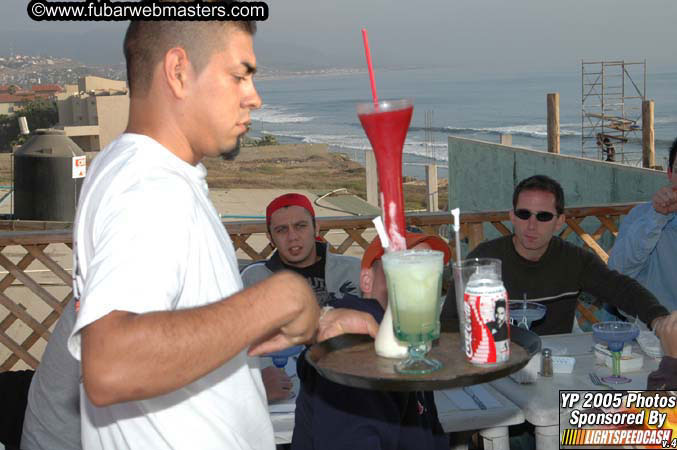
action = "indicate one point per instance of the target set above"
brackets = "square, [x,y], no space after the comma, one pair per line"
[487,324]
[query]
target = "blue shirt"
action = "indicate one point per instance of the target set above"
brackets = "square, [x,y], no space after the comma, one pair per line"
[646,249]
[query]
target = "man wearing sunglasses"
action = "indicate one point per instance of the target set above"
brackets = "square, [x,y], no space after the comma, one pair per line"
[540,267]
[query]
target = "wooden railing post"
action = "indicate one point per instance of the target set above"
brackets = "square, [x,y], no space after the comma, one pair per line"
[506,139]
[648,146]
[553,122]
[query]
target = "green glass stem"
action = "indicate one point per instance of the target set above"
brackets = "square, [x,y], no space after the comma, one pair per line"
[418,351]
[616,364]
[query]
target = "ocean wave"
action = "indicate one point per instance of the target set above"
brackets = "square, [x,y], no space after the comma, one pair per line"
[270,114]
[536,130]
[352,142]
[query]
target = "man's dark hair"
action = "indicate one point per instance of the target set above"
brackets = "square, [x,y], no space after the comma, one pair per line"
[671,160]
[146,44]
[540,183]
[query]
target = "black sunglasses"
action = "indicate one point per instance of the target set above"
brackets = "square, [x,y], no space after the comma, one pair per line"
[541,216]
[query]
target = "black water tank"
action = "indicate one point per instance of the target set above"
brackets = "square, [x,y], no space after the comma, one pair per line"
[44,187]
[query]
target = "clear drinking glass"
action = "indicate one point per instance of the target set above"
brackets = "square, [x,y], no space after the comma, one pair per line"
[462,274]
[414,280]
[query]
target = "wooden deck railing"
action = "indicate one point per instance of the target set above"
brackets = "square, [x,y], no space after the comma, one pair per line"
[36,282]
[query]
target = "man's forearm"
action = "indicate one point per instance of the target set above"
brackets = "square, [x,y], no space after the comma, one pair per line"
[134,356]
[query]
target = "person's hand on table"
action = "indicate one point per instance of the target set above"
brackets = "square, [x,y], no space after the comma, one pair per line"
[666,329]
[278,385]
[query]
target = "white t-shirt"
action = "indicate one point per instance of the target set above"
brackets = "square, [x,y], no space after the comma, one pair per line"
[147,238]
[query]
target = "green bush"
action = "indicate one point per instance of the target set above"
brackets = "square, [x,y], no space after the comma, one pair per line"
[39,114]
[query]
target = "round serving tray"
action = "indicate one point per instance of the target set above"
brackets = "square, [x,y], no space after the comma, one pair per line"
[352,361]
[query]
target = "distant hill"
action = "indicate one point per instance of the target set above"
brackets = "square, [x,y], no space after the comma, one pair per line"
[105,47]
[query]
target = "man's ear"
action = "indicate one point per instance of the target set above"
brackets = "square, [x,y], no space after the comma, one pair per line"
[270,239]
[176,70]
[366,281]
[560,221]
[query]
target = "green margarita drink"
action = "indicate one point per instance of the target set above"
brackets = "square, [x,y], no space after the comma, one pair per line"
[414,279]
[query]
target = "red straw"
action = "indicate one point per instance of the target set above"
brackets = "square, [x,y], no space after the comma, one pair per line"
[367,53]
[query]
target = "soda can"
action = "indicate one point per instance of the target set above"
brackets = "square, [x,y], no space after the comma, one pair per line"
[487,322]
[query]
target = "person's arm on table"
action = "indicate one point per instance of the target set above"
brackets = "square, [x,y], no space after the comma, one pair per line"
[619,290]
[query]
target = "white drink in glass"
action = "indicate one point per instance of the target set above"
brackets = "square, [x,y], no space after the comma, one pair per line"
[414,289]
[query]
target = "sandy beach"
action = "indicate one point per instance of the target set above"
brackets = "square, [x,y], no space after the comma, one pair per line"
[287,167]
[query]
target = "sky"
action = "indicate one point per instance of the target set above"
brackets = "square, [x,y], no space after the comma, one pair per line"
[475,36]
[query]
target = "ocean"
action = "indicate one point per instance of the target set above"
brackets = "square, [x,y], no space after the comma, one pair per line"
[321,109]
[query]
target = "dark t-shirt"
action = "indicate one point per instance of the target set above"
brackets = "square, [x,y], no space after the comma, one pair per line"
[557,279]
[313,273]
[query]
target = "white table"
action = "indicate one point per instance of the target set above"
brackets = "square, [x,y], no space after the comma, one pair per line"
[493,422]
[540,401]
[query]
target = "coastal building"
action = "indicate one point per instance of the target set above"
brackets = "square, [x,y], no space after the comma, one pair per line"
[95,113]
[13,97]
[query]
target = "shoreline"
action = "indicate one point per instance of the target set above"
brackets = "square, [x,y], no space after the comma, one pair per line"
[412,165]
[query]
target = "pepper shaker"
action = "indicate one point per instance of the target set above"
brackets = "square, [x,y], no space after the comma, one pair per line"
[546,363]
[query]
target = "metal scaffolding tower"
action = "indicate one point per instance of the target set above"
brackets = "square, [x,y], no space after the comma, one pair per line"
[611,110]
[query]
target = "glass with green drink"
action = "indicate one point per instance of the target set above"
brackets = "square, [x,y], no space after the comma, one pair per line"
[414,279]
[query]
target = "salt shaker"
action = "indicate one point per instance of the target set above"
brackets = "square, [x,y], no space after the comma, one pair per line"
[546,363]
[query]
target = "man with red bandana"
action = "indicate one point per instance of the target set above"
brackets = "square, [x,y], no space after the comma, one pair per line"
[292,230]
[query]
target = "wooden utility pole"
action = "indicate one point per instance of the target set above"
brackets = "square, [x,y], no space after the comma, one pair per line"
[553,122]
[648,144]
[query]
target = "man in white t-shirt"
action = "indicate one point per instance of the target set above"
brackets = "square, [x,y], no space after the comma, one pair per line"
[164,328]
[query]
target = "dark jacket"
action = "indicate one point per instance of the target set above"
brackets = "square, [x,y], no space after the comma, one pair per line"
[557,279]
[332,416]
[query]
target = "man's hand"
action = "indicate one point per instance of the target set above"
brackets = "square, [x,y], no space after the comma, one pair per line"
[278,385]
[300,328]
[666,330]
[333,323]
[341,321]
[665,200]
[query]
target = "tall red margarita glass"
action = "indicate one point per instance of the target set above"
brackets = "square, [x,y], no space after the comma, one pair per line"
[386,124]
